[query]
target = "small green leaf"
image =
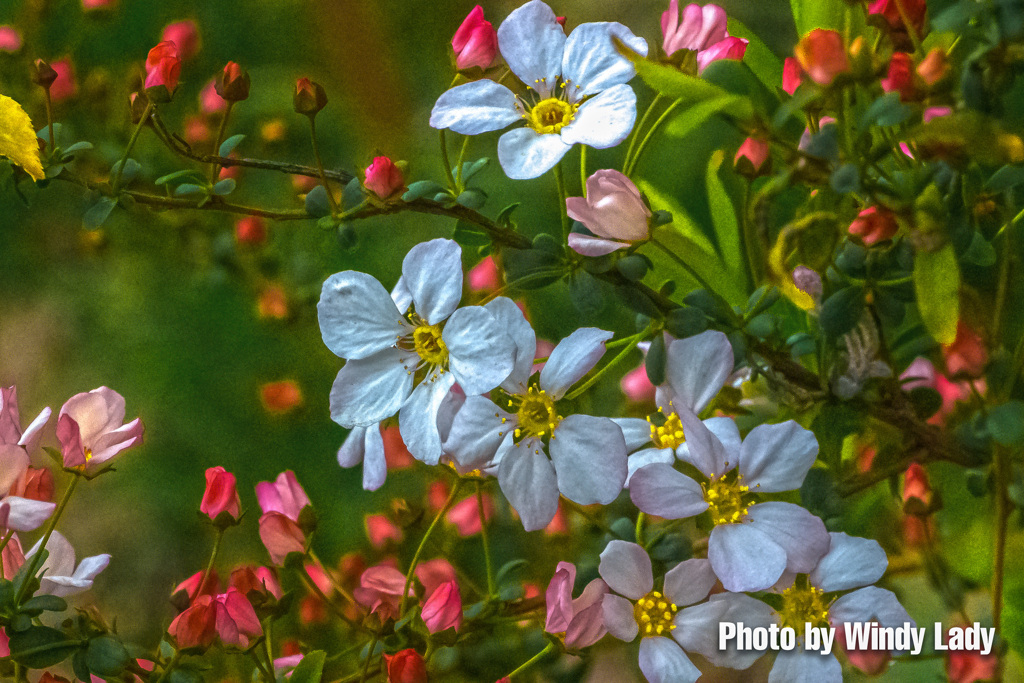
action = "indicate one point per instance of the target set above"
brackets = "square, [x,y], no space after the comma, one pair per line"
[685,321]
[45,603]
[505,216]
[937,286]
[472,199]
[131,171]
[41,646]
[421,188]
[79,146]
[106,656]
[1005,178]
[841,312]
[1006,423]
[469,235]
[655,361]
[310,669]
[471,168]
[171,177]
[228,146]
[887,110]
[188,190]
[981,252]
[316,202]
[723,217]
[224,187]
[508,569]
[98,213]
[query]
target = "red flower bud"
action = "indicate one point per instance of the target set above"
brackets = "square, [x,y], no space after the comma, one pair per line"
[406,666]
[383,178]
[751,156]
[309,98]
[185,35]
[250,230]
[221,495]
[281,536]
[874,224]
[914,9]
[196,626]
[822,56]
[233,83]
[900,77]
[475,42]
[163,67]
[792,75]
[915,485]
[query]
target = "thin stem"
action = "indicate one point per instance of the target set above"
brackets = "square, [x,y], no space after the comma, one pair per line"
[647,137]
[458,165]
[423,544]
[3,544]
[636,131]
[267,675]
[315,588]
[491,590]
[532,661]
[639,533]
[562,210]
[689,269]
[446,161]
[51,524]
[49,120]
[131,144]
[635,339]
[209,564]
[215,167]
[583,170]
[170,667]
[1002,517]
[320,167]
[369,658]
[334,582]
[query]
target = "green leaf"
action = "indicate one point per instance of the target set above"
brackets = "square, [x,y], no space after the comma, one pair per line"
[189,189]
[41,646]
[98,213]
[655,361]
[421,188]
[471,168]
[585,294]
[887,110]
[691,119]
[937,286]
[737,78]
[980,252]
[472,199]
[759,57]
[79,146]
[310,669]
[131,171]
[316,202]
[106,656]
[727,227]
[45,603]
[841,312]
[469,235]
[812,14]
[685,321]
[833,423]
[228,146]
[509,569]
[1005,178]
[224,187]
[171,177]
[505,216]
[1006,423]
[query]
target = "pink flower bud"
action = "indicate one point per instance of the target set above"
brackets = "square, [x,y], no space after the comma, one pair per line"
[914,9]
[383,178]
[935,113]
[934,67]
[380,530]
[696,28]
[221,495]
[91,431]
[196,129]
[5,647]
[161,51]
[822,56]
[10,39]
[637,386]
[163,67]
[260,580]
[613,210]
[65,86]
[250,230]
[185,35]
[435,573]
[969,666]
[309,98]
[900,77]
[281,536]
[871,662]
[967,354]
[874,224]
[580,620]
[284,495]
[443,609]
[380,589]
[484,276]
[88,5]
[233,83]
[281,397]
[792,75]
[755,151]
[209,101]
[197,625]
[730,48]
[406,666]
[191,589]
[465,515]
[915,484]
[475,42]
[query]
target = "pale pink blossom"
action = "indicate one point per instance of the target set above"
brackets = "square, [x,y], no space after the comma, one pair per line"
[283,495]
[701,29]
[443,609]
[613,211]
[91,429]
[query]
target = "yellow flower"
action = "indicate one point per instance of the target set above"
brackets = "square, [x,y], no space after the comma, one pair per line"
[18,138]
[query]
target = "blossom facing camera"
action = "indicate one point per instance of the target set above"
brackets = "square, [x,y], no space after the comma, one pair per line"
[475,43]
[309,97]
[443,609]
[383,178]
[185,36]
[613,210]
[221,495]
[874,224]
[406,666]
[822,56]
[233,83]
[91,429]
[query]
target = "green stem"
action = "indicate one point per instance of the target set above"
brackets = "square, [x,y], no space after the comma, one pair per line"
[320,167]
[131,144]
[635,339]
[314,588]
[491,590]
[369,658]
[689,269]
[215,167]
[583,170]
[532,661]
[562,210]
[636,131]
[639,533]
[209,564]
[1001,465]
[49,120]
[267,674]
[170,667]
[447,163]
[268,645]
[50,526]
[334,582]
[647,136]
[423,544]
[4,542]
[458,165]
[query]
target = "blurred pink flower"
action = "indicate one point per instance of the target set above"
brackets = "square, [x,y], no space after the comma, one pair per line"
[874,224]
[185,35]
[900,76]
[484,276]
[10,39]
[380,530]
[380,589]
[209,101]
[283,495]
[65,86]
[967,354]
[637,386]
[822,56]
[434,573]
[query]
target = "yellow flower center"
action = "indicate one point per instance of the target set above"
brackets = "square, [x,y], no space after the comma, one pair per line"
[724,496]
[654,614]
[803,604]
[669,434]
[427,342]
[536,415]
[550,115]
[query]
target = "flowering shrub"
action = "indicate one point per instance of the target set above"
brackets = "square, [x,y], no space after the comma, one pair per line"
[826,422]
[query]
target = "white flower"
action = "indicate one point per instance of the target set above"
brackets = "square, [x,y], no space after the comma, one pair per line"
[538,451]
[654,615]
[61,577]
[578,92]
[404,354]
[752,543]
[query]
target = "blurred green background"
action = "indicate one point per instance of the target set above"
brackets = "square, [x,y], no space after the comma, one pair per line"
[162,306]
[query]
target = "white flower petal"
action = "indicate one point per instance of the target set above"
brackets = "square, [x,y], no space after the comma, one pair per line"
[477,431]
[592,63]
[626,568]
[690,581]
[33,431]
[571,359]
[401,295]
[26,514]
[352,448]
[649,456]
[851,562]
[697,367]
[480,354]
[663,661]
[432,272]
[532,42]
[357,316]
[660,490]
[524,153]
[697,627]
[619,617]
[776,457]
[744,558]
[604,120]
[417,420]
[589,455]
[509,317]
[868,604]
[527,479]
[474,108]
[801,534]
[593,246]
[703,449]
[635,431]
[371,389]
[375,464]
[801,666]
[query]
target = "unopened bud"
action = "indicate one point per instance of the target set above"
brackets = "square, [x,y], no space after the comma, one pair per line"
[310,97]
[233,83]
[43,74]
